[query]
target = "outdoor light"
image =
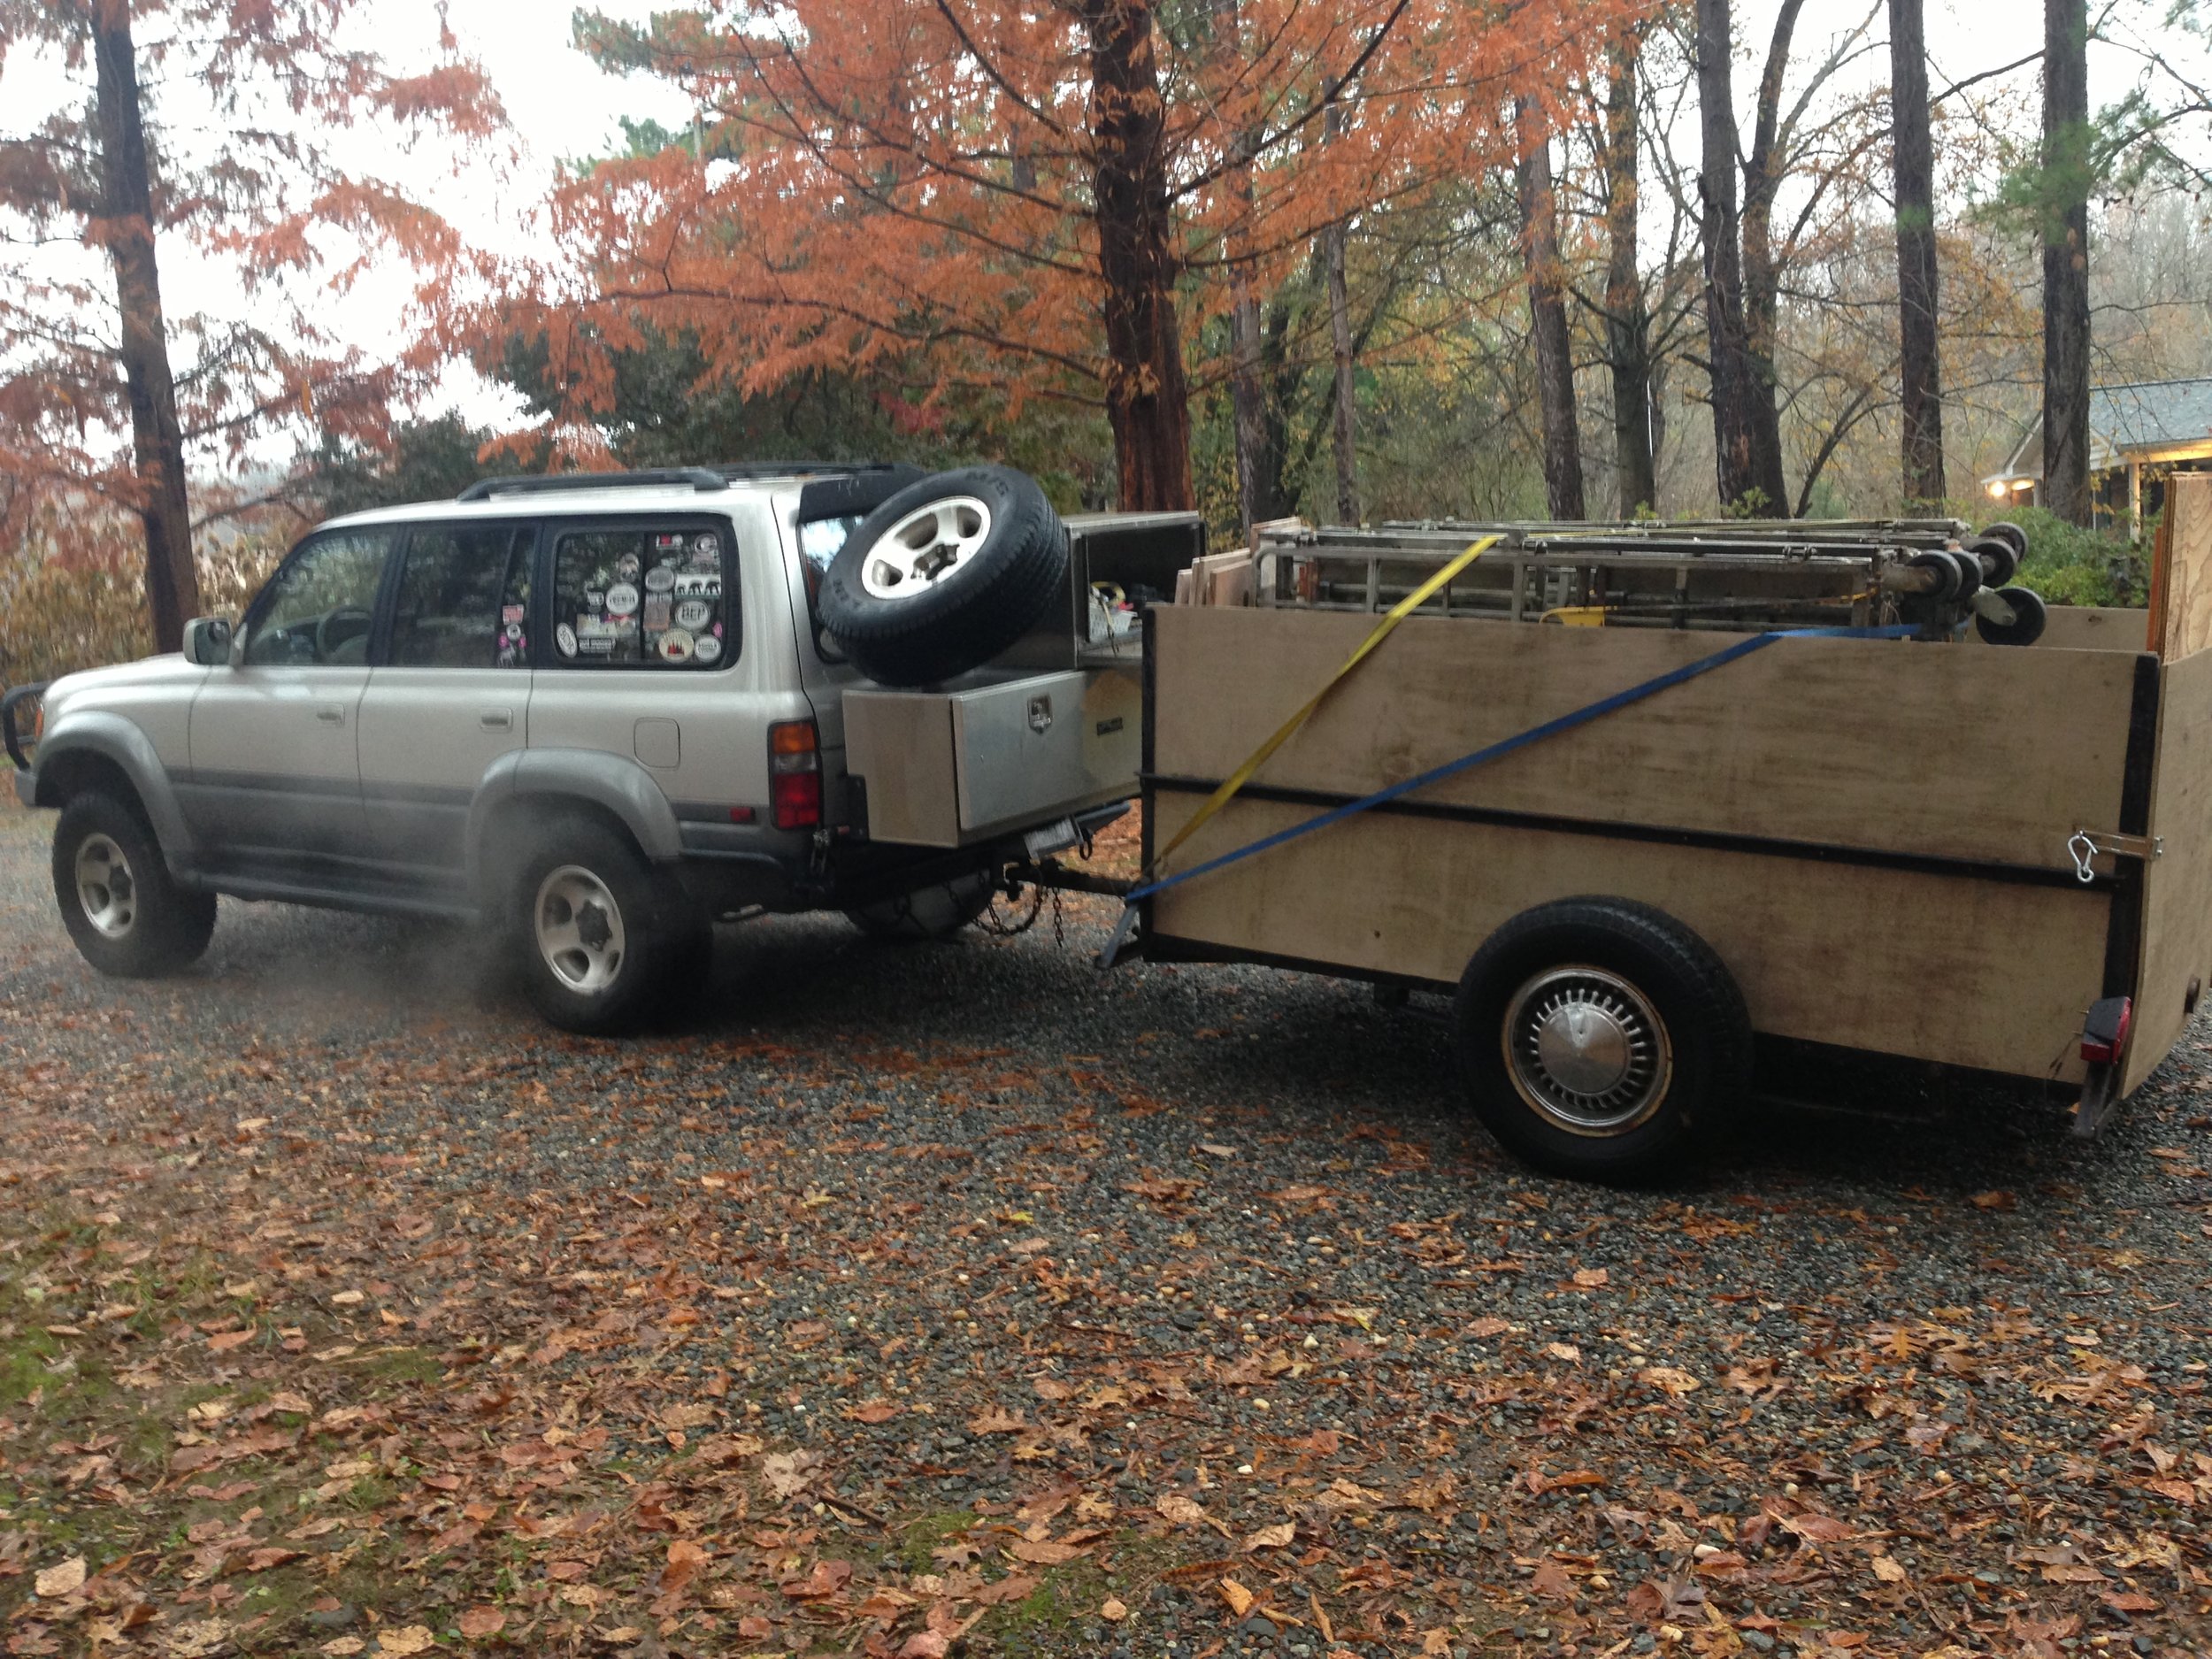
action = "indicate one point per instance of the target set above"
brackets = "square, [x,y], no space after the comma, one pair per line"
[1997,489]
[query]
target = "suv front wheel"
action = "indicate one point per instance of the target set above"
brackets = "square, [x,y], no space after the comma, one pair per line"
[128,916]
[595,954]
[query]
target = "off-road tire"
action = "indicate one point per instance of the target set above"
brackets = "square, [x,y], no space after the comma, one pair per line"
[927,913]
[1677,981]
[637,989]
[159,927]
[976,609]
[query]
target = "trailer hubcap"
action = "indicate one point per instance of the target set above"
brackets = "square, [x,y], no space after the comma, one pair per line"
[1587,1050]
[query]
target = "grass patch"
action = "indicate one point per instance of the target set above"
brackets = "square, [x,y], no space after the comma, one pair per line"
[926,1532]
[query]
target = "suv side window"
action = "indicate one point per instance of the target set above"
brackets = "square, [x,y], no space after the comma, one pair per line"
[657,595]
[464,598]
[317,609]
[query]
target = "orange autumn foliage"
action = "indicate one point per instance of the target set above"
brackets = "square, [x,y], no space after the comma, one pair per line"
[1033,201]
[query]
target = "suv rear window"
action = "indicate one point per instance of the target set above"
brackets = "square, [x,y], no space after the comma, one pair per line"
[656,596]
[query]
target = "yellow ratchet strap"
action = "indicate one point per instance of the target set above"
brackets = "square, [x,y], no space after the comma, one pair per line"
[1399,612]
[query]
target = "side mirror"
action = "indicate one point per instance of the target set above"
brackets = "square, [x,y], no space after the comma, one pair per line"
[207,641]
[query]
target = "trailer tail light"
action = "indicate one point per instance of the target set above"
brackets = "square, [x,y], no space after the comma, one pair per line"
[794,775]
[2104,1034]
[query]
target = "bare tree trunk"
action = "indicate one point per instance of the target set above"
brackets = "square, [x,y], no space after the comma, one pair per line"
[1147,397]
[1762,279]
[172,588]
[1548,316]
[1627,317]
[1340,342]
[1247,398]
[2066,259]
[1736,467]
[1913,164]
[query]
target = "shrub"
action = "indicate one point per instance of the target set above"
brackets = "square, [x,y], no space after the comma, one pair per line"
[2070,565]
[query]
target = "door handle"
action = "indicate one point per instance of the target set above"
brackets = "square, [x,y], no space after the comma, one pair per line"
[496,719]
[331,714]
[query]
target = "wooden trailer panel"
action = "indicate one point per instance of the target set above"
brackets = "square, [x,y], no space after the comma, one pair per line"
[2176,885]
[1872,834]
[1994,758]
[1970,974]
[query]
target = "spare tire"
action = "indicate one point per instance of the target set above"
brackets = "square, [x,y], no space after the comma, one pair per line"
[945,575]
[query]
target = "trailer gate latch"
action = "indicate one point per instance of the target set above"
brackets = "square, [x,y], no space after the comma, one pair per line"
[2087,844]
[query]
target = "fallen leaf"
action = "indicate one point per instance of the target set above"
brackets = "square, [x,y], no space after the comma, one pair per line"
[352,1299]
[1669,1379]
[1216,1149]
[994,1421]
[1043,1553]
[1889,1569]
[230,1339]
[479,1622]
[1592,1278]
[1276,1537]
[789,1473]
[408,1638]
[924,1644]
[63,1581]
[1113,1611]
[275,1556]
[2130,1602]
[338,1646]
[1241,1600]
[873,1411]
[1489,1325]
[1012,1587]
[1566,1351]
[1539,1483]
[1996,1198]
[685,1559]
[687,1416]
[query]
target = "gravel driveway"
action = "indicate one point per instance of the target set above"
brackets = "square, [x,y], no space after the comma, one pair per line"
[907,1298]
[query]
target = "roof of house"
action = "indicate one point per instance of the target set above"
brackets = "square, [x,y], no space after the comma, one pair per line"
[2138,420]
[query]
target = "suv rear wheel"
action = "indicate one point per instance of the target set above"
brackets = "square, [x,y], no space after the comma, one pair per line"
[128,916]
[595,954]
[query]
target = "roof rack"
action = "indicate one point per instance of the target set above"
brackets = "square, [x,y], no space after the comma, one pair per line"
[740,470]
[698,477]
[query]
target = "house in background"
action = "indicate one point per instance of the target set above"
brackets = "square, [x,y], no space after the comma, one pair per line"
[2139,433]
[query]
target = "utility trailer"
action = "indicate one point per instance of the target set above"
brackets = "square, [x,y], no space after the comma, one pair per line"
[1994,862]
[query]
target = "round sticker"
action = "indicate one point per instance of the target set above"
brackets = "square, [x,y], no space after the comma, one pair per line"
[709,545]
[706,649]
[594,599]
[514,630]
[626,568]
[565,637]
[621,599]
[659,579]
[693,614]
[676,646]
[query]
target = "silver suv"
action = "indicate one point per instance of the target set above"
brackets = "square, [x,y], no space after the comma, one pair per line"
[598,712]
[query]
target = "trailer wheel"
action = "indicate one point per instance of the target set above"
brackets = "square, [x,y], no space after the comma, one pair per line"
[2009,533]
[945,575]
[2029,618]
[2000,560]
[1601,1037]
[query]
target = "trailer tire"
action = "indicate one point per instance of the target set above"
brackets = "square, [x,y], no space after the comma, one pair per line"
[2011,533]
[945,575]
[1601,1038]
[2000,560]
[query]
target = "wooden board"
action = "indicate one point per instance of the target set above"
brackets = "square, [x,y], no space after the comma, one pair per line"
[2088,628]
[2176,885]
[1985,755]
[1967,973]
[2183,578]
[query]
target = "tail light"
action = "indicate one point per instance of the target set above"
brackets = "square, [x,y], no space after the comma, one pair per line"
[2104,1034]
[794,775]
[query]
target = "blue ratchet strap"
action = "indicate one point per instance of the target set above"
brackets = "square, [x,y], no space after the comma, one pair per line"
[1596,710]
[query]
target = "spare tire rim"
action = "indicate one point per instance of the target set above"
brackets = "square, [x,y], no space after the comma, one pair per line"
[580,932]
[106,890]
[926,548]
[1586,1050]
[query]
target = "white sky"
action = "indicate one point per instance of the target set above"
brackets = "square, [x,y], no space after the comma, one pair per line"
[562,106]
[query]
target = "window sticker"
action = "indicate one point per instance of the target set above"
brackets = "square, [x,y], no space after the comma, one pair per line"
[643,596]
[565,637]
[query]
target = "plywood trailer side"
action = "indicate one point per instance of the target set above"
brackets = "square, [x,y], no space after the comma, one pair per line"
[1872,835]
[2177,907]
